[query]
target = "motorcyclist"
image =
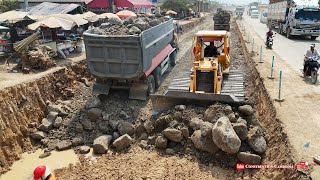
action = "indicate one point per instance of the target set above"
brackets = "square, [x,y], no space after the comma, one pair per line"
[269,34]
[309,53]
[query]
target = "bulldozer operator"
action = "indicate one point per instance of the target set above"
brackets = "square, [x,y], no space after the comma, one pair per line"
[211,50]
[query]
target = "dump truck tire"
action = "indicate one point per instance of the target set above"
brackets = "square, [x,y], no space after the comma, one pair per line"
[157,76]
[151,84]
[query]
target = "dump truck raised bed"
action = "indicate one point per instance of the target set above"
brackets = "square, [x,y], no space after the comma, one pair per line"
[134,62]
[295,17]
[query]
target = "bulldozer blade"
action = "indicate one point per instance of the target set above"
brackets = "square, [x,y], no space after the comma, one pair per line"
[138,92]
[171,98]
[99,88]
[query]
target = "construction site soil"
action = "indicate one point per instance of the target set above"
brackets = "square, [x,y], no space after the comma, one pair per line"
[24,107]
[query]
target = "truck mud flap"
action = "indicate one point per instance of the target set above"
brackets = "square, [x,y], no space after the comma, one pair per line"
[139,91]
[171,98]
[99,88]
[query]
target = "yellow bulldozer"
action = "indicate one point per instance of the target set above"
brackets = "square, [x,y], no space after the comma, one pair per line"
[210,78]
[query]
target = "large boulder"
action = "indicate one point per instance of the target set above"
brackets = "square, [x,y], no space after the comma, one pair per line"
[242,130]
[206,129]
[101,144]
[256,140]
[39,135]
[246,110]
[161,142]
[141,24]
[225,137]
[63,145]
[249,158]
[122,142]
[45,125]
[126,128]
[154,22]
[213,113]
[115,21]
[204,143]
[195,123]
[228,109]
[134,30]
[232,117]
[173,134]
[94,113]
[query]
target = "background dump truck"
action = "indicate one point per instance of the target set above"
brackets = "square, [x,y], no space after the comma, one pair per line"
[134,62]
[252,6]
[222,20]
[298,17]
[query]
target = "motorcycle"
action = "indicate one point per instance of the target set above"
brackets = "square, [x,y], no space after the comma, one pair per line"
[269,42]
[312,68]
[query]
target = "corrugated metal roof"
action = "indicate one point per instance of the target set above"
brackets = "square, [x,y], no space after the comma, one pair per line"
[57,1]
[47,8]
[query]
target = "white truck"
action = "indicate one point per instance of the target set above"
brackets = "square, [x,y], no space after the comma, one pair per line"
[295,17]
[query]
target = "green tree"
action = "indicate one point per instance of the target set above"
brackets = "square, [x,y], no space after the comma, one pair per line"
[8,5]
[175,5]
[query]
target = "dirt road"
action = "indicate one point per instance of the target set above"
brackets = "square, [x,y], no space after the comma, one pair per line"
[299,112]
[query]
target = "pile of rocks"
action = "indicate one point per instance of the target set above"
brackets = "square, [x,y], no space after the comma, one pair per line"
[130,26]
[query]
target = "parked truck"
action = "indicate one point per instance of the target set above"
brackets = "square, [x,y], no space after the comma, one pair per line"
[252,6]
[295,17]
[134,62]
[222,20]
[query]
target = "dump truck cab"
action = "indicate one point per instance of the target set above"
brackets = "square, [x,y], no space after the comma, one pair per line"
[206,73]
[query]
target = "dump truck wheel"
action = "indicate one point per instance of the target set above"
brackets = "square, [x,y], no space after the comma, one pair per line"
[173,58]
[157,76]
[151,84]
[314,37]
[288,33]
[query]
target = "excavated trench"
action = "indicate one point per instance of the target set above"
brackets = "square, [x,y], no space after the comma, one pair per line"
[24,106]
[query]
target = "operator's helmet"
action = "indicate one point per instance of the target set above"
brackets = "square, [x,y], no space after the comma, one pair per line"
[313,45]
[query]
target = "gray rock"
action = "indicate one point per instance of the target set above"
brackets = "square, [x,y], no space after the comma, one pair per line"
[44,155]
[122,142]
[115,135]
[180,107]
[185,132]
[204,143]
[228,110]
[105,116]
[195,123]
[232,118]
[94,114]
[78,128]
[249,158]
[126,128]
[134,30]
[77,141]
[242,130]
[114,123]
[129,20]
[115,21]
[52,116]
[139,23]
[237,115]
[170,151]
[104,127]
[57,122]
[56,108]
[206,129]
[173,124]
[161,142]
[173,134]
[241,120]
[45,125]
[256,141]
[39,135]
[316,159]
[225,137]
[139,130]
[213,113]
[143,144]
[123,115]
[154,22]
[45,141]
[148,125]
[63,145]
[101,144]
[87,125]
[93,102]
[84,149]
[247,110]
[152,139]
[85,82]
